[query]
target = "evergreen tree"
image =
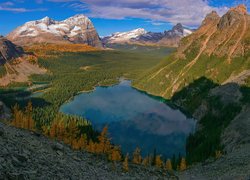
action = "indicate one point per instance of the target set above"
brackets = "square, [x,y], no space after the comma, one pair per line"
[174,164]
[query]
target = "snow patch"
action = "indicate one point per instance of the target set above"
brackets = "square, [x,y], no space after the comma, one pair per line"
[187,32]
[69,27]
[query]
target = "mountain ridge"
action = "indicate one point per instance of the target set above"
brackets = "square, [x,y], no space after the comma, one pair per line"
[77,29]
[218,43]
[140,36]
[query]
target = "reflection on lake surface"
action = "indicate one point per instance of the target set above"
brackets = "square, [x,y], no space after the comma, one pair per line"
[134,119]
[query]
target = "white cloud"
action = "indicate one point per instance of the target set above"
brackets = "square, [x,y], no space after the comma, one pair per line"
[10,6]
[187,12]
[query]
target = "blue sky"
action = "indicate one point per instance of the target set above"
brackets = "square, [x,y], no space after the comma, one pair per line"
[111,16]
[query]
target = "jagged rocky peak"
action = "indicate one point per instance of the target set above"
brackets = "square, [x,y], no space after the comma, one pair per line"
[234,15]
[79,19]
[47,20]
[211,17]
[178,27]
[242,9]
[178,30]
[8,50]
[140,36]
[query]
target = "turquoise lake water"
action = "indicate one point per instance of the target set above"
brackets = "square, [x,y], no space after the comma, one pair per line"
[134,119]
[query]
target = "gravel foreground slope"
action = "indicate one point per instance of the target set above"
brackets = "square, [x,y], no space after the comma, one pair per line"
[28,155]
[233,166]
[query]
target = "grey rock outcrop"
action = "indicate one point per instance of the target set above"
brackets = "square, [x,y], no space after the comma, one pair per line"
[5,113]
[8,50]
[233,16]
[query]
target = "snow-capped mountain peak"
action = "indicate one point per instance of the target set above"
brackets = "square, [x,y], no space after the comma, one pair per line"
[141,36]
[187,32]
[76,29]
[78,19]
[123,37]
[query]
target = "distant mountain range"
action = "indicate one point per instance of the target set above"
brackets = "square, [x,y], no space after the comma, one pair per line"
[80,30]
[77,29]
[140,36]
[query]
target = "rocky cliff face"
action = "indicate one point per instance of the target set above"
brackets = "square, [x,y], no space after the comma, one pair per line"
[77,29]
[140,36]
[8,50]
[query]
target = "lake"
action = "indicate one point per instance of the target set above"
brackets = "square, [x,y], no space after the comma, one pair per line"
[134,119]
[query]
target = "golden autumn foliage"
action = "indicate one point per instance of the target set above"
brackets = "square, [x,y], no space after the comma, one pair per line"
[137,159]
[183,165]
[115,154]
[49,50]
[23,119]
[80,144]
[31,58]
[68,133]
[125,164]
[168,165]
[146,161]
[91,147]
[158,161]
[218,154]
[104,145]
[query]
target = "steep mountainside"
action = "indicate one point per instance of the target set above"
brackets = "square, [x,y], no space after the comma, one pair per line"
[15,63]
[209,77]
[140,36]
[218,50]
[8,50]
[77,29]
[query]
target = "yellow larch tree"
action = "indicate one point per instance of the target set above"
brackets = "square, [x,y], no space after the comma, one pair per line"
[137,159]
[23,119]
[183,165]
[158,161]
[125,163]
[104,145]
[115,154]
[168,165]
[146,161]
